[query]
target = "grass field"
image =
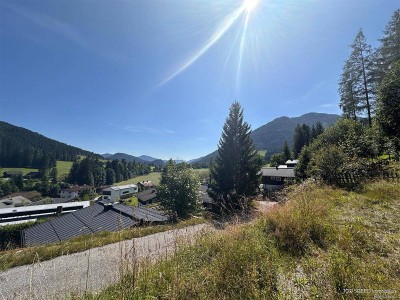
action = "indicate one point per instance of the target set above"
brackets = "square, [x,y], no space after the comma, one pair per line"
[154,177]
[63,167]
[24,170]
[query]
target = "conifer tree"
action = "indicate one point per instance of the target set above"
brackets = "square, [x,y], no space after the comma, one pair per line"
[356,86]
[389,51]
[234,174]
[286,152]
[388,112]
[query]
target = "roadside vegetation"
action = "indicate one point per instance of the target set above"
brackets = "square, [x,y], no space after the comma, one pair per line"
[19,257]
[323,243]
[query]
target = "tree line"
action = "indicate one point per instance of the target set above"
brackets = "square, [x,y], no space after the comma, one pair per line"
[20,147]
[303,135]
[370,87]
[94,172]
[365,70]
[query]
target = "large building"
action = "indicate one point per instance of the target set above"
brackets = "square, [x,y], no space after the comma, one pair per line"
[115,193]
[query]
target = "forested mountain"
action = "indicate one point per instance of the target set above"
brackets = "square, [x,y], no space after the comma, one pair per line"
[121,156]
[131,158]
[147,158]
[20,147]
[273,135]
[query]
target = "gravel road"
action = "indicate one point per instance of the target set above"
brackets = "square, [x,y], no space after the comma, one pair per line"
[91,270]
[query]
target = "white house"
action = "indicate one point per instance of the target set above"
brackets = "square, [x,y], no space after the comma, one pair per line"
[73,192]
[115,193]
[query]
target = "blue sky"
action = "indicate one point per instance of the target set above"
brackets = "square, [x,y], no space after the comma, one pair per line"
[157,77]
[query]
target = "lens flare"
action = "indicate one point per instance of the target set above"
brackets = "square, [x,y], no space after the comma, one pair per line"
[250,5]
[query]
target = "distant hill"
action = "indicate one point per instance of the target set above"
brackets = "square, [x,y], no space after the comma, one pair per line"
[106,155]
[273,135]
[128,157]
[147,158]
[20,147]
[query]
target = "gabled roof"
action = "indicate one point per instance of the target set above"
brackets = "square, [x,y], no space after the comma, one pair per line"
[292,162]
[92,219]
[146,183]
[77,188]
[147,195]
[121,187]
[268,172]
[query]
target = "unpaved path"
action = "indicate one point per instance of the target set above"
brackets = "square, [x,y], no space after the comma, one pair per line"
[91,270]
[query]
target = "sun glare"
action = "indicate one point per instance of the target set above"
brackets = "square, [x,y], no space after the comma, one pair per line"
[250,5]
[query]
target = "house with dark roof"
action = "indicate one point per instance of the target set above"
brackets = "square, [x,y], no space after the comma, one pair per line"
[92,219]
[9,174]
[208,203]
[273,178]
[144,185]
[147,197]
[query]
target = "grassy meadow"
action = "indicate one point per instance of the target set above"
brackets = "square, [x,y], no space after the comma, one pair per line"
[63,168]
[154,177]
[323,243]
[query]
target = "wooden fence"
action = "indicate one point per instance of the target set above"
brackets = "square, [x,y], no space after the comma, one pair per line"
[351,179]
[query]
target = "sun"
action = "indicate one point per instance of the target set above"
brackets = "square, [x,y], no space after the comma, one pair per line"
[250,5]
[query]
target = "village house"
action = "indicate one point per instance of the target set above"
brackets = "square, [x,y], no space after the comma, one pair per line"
[144,185]
[115,193]
[73,192]
[147,197]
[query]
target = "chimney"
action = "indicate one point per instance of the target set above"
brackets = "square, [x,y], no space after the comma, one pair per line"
[277,167]
[59,211]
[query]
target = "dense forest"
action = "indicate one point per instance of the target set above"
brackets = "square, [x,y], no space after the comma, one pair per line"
[20,147]
[94,172]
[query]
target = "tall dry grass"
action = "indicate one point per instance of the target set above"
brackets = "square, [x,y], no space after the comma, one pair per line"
[323,243]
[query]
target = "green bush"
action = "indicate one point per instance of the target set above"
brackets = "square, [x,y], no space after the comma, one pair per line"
[10,235]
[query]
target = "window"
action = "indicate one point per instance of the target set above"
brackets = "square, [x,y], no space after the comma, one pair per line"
[107,193]
[272,177]
[278,178]
[126,192]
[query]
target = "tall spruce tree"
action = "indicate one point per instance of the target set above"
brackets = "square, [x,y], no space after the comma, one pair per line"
[286,151]
[234,174]
[356,86]
[389,51]
[349,102]
[388,102]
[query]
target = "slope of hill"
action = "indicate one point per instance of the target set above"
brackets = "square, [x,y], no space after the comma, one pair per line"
[127,157]
[147,158]
[20,147]
[273,135]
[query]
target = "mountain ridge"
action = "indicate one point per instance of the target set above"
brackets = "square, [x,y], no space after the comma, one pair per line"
[272,135]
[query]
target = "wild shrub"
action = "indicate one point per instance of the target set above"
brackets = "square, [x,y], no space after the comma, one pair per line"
[304,220]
